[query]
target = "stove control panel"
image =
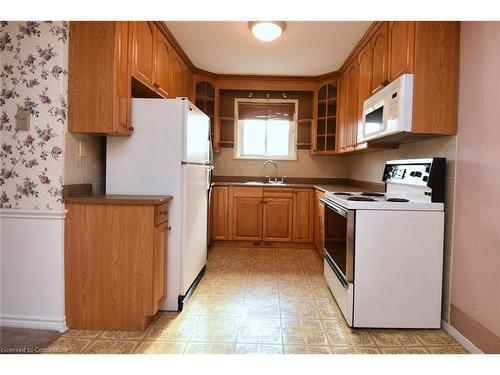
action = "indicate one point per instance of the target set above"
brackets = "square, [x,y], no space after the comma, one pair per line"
[424,173]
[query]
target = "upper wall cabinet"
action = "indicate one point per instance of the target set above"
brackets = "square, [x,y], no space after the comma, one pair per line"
[143,48]
[205,93]
[111,62]
[162,65]
[401,47]
[428,50]
[99,78]
[378,50]
[324,130]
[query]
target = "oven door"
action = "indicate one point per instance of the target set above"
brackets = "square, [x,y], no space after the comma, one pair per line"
[339,241]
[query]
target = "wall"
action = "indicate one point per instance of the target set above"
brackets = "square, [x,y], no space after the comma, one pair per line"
[305,166]
[475,287]
[34,77]
[369,167]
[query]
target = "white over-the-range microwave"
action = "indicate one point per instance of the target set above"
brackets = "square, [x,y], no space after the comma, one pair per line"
[389,111]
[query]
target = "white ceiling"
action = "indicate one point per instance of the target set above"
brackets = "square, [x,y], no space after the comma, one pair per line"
[304,49]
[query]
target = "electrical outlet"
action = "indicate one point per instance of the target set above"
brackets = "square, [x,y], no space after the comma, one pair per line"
[82,149]
[22,119]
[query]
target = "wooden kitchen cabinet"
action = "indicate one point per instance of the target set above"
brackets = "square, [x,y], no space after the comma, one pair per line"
[324,128]
[115,278]
[303,215]
[349,107]
[246,214]
[401,36]
[144,43]
[176,76]
[219,213]
[319,222]
[277,213]
[162,76]
[379,59]
[159,266]
[267,214]
[99,93]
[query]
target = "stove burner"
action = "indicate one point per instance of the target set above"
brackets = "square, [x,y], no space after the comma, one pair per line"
[397,200]
[372,194]
[342,193]
[361,199]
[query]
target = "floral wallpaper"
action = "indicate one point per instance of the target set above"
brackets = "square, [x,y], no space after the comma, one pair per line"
[33,72]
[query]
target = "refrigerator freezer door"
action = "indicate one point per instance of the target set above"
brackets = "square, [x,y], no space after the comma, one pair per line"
[196,134]
[194,217]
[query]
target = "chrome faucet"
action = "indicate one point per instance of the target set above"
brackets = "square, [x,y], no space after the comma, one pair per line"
[276,181]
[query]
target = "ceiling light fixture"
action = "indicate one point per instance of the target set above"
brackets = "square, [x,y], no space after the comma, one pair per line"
[267,30]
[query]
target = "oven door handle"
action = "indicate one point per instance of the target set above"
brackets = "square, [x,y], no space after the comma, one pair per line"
[333,207]
[338,272]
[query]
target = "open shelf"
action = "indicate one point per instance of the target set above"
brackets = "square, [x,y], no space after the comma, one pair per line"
[326,119]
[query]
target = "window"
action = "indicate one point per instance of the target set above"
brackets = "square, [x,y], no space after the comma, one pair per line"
[265,129]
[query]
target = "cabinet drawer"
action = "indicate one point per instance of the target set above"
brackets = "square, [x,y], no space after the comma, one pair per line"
[245,192]
[161,214]
[278,193]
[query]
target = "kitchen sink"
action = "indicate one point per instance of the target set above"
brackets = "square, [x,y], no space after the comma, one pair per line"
[262,183]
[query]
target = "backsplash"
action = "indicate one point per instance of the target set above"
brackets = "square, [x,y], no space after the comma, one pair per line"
[85,169]
[33,58]
[369,167]
[305,166]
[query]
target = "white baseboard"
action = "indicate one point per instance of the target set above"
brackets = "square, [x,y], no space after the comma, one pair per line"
[32,269]
[464,341]
[33,322]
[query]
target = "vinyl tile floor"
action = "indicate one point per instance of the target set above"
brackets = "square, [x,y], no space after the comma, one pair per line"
[258,301]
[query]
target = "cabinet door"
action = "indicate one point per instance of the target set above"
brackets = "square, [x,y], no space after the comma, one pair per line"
[401,48]
[320,212]
[364,82]
[342,115]
[379,58]
[175,76]
[352,106]
[247,218]
[277,219]
[163,58]
[122,75]
[303,215]
[219,213]
[186,82]
[159,265]
[143,41]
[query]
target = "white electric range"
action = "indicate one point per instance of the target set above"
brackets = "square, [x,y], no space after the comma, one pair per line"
[384,251]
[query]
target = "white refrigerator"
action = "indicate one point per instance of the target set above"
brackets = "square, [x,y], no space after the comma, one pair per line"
[168,154]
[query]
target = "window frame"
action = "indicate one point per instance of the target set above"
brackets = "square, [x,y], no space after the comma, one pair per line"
[238,131]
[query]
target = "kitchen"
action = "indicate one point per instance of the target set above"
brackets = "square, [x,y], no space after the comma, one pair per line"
[196,199]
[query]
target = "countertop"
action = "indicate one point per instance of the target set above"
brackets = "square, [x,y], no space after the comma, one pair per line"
[322,187]
[120,199]
[82,193]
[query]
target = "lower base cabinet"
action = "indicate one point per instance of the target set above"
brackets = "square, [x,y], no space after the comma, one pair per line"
[269,214]
[115,265]
[319,223]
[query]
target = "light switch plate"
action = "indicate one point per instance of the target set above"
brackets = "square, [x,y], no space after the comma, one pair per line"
[23,119]
[82,148]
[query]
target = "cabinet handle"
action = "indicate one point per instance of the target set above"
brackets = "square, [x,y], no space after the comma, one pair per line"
[169,228]
[131,128]
[163,212]
[156,85]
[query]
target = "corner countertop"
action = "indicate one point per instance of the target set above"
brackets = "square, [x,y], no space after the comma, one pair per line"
[82,193]
[120,199]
